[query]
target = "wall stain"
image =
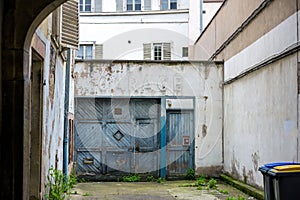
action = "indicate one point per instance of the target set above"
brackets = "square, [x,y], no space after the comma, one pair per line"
[255,158]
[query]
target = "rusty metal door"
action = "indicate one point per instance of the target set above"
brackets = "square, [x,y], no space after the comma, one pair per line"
[116,136]
[180,142]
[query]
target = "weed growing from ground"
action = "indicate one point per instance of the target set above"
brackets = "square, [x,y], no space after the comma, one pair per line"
[212,184]
[59,185]
[160,180]
[151,179]
[131,178]
[190,174]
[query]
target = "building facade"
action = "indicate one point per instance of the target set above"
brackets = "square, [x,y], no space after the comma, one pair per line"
[50,139]
[128,121]
[140,29]
[260,48]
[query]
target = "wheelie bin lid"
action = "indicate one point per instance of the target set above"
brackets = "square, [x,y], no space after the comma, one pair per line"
[265,168]
[285,170]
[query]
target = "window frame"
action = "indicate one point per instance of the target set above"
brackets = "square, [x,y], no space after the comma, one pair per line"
[168,4]
[83,6]
[155,45]
[83,48]
[133,4]
[185,52]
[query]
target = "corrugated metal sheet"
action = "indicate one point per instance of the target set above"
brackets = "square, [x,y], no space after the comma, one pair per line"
[70,24]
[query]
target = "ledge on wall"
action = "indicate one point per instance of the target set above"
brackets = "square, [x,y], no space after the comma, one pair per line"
[258,194]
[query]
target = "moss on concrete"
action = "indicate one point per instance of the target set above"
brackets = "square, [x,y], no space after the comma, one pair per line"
[258,194]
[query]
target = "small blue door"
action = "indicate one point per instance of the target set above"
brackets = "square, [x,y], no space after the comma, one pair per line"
[180,142]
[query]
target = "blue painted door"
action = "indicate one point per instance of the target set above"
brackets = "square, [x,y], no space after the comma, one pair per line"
[180,142]
[116,136]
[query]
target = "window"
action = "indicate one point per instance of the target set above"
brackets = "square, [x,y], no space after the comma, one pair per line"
[85,52]
[173,4]
[85,6]
[157,51]
[133,5]
[168,4]
[129,5]
[185,52]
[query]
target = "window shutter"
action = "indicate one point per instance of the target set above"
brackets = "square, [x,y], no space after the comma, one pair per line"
[98,51]
[167,51]
[119,4]
[147,51]
[98,5]
[147,4]
[70,24]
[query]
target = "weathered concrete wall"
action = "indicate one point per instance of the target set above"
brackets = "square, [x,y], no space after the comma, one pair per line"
[223,26]
[260,120]
[53,106]
[261,86]
[199,80]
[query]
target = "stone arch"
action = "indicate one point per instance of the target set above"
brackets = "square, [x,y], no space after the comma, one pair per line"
[19,20]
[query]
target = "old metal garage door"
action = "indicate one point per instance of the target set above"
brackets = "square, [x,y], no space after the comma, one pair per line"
[116,136]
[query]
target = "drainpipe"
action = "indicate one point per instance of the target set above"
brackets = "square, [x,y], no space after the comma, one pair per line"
[66,115]
[201,16]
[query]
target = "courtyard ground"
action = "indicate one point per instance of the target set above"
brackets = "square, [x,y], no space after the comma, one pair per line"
[169,190]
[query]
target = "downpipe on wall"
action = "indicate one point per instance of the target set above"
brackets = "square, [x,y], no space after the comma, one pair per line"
[66,115]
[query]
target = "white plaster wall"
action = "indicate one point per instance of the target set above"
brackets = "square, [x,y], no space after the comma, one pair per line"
[260,120]
[114,32]
[53,114]
[194,21]
[194,17]
[201,80]
[274,42]
[210,11]
[108,6]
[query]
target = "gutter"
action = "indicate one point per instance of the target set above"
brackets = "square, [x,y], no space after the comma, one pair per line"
[66,116]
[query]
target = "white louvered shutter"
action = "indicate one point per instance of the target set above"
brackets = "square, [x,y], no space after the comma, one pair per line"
[98,6]
[166,51]
[119,4]
[70,24]
[147,4]
[98,51]
[147,51]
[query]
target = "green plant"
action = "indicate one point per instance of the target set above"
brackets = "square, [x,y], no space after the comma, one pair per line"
[160,180]
[230,198]
[131,178]
[223,191]
[58,185]
[150,178]
[201,181]
[212,184]
[86,194]
[190,174]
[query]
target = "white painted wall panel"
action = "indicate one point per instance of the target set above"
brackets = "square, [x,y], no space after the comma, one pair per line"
[125,40]
[272,43]
[209,10]
[261,114]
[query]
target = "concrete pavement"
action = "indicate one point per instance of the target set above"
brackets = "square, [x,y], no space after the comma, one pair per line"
[170,190]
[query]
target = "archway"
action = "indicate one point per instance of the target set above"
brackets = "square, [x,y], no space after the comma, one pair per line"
[20,19]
